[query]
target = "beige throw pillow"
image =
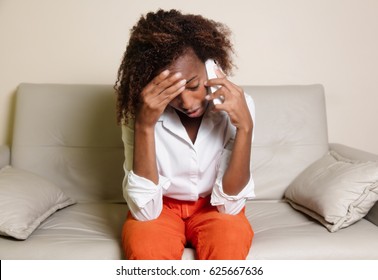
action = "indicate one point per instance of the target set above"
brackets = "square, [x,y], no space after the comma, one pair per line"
[335,191]
[26,200]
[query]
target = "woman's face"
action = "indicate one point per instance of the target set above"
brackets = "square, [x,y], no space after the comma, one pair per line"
[192,100]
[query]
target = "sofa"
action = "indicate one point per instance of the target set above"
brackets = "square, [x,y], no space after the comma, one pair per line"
[61,179]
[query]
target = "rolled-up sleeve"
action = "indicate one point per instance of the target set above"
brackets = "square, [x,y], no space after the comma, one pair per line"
[143,197]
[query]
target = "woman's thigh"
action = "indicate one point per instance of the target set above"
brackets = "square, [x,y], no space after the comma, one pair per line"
[219,236]
[162,238]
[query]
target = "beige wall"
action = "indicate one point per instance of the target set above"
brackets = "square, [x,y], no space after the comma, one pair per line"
[332,42]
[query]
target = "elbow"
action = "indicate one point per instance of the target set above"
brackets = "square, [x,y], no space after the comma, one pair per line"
[233,186]
[148,212]
[143,217]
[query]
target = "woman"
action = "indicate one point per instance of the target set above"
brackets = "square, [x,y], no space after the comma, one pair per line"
[187,167]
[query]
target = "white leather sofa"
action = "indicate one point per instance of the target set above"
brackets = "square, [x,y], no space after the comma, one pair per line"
[67,135]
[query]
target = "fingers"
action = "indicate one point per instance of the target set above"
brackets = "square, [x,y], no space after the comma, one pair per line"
[171,84]
[223,82]
[157,94]
[226,89]
[168,94]
[161,82]
[219,72]
[219,94]
[164,86]
[232,100]
[159,78]
[229,94]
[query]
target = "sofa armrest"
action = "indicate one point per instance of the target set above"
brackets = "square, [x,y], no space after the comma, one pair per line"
[4,156]
[356,154]
[352,153]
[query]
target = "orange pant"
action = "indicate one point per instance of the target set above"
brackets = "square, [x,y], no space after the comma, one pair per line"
[198,224]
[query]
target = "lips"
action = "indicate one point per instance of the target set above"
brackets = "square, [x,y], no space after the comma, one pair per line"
[193,113]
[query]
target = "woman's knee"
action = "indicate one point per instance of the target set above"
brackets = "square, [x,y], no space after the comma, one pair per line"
[227,238]
[147,241]
[232,231]
[147,249]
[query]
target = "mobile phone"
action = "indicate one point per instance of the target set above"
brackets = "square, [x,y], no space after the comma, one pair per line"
[210,64]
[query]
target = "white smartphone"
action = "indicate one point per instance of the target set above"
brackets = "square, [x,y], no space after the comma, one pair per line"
[210,64]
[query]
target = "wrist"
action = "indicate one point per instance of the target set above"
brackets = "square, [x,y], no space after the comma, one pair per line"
[144,128]
[246,125]
[247,130]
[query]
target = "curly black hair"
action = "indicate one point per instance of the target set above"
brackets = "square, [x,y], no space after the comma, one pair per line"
[156,41]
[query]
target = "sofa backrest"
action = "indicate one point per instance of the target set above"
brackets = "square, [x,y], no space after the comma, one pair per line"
[68,134]
[290,134]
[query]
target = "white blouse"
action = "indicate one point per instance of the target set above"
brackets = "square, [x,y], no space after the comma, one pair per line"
[187,171]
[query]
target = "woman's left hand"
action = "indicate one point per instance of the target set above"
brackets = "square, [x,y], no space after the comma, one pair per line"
[234,103]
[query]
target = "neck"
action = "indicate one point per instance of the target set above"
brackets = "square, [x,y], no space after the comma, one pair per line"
[191,125]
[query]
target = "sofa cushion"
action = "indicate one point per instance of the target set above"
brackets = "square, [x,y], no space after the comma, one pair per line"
[84,231]
[69,135]
[290,134]
[26,200]
[284,233]
[335,190]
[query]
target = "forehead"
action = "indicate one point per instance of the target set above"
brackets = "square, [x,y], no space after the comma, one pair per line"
[188,64]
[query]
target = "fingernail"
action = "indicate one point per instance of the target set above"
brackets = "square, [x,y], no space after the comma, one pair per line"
[165,72]
[207,97]
[183,82]
[178,75]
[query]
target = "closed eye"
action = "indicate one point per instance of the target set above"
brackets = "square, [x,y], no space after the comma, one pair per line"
[193,88]
[190,84]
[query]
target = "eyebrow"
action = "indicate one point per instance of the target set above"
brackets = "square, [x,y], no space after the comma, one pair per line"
[191,79]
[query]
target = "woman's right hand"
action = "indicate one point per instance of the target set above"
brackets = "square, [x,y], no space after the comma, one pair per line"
[155,97]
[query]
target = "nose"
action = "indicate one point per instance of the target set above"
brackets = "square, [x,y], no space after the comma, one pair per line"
[186,100]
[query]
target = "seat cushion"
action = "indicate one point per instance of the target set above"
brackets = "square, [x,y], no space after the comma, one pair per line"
[284,233]
[93,231]
[83,231]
